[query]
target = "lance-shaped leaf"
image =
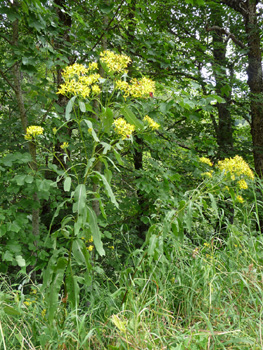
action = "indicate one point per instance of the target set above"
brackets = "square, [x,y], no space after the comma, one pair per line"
[107,188]
[131,118]
[93,133]
[69,107]
[80,199]
[92,220]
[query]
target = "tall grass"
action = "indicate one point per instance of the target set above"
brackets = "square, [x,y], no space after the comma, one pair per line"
[206,296]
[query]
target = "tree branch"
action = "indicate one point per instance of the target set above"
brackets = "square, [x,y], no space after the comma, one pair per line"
[230,35]
[236,5]
[7,80]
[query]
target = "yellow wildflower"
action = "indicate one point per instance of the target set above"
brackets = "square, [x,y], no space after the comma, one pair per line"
[207,173]
[116,63]
[123,128]
[206,161]
[152,124]
[27,303]
[90,248]
[96,89]
[139,88]
[240,199]
[111,247]
[64,145]
[236,166]
[206,244]
[43,313]
[242,184]
[33,131]
[91,239]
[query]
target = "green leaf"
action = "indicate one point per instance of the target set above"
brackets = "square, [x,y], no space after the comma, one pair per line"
[93,133]
[20,261]
[118,157]
[213,203]
[107,119]
[9,310]
[131,118]
[72,288]
[82,106]
[92,220]
[152,244]
[80,196]
[188,218]
[67,184]
[70,107]
[107,188]
[55,287]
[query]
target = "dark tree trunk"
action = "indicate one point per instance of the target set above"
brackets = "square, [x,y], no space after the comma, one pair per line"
[224,130]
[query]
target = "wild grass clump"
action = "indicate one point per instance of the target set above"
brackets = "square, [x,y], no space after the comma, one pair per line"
[206,297]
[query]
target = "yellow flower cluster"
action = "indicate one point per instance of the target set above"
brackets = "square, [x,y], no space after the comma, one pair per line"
[33,131]
[115,63]
[240,199]
[207,173]
[152,124]
[123,128]
[77,82]
[236,167]
[206,161]
[141,88]
[64,145]
[242,184]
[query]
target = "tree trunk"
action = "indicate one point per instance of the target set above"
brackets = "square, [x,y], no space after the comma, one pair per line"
[224,130]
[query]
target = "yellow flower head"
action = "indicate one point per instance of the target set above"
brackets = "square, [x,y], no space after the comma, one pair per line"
[240,199]
[77,81]
[207,173]
[90,248]
[96,89]
[242,184]
[64,145]
[152,124]
[116,63]
[206,161]
[236,167]
[123,128]
[33,131]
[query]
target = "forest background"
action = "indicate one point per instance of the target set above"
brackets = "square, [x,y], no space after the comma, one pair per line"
[131,174]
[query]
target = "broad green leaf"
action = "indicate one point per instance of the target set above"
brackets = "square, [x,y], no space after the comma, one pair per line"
[20,179]
[95,231]
[20,261]
[107,188]
[77,251]
[69,107]
[131,118]
[67,184]
[107,119]
[80,196]
[82,106]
